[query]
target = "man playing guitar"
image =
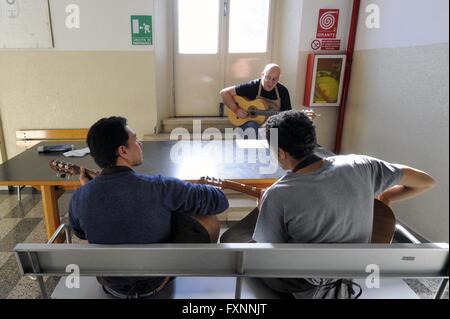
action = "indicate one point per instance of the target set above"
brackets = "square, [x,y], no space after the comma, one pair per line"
[121,206]
[267,88]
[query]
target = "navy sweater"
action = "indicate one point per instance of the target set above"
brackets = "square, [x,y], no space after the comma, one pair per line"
[123,207]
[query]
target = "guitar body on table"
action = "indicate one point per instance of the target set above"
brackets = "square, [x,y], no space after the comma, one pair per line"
[258,111]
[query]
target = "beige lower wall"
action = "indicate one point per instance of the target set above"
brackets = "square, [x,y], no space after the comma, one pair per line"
[48,89]
[398,110]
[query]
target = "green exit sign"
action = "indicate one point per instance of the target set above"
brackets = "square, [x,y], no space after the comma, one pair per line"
[141,30]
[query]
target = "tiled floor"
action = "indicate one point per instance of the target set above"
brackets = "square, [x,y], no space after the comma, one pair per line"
[23,222]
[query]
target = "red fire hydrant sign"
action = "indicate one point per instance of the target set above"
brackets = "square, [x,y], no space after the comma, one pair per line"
[327,27]
[328,23]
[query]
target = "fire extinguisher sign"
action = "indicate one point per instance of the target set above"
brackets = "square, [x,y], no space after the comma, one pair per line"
[328,23]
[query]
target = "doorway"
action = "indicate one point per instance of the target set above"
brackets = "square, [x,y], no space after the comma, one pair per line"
[218,43]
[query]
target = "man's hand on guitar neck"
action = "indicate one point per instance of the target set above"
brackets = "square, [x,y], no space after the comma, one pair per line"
[85,177]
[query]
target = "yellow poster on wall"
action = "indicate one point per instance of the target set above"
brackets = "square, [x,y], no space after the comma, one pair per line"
[324,80]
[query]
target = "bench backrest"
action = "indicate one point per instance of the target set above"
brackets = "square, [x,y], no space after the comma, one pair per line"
[240,260]
[29,138]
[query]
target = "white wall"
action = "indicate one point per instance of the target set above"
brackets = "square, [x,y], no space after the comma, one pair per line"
[105,25]
[398,107]
[91,73]
[297,28]
[405,23]
[287,43]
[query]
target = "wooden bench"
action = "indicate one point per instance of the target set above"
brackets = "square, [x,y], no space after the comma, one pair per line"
[233,261]
[28,138]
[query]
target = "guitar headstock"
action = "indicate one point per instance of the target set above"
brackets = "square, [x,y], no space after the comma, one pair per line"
[206,180]
[64,168]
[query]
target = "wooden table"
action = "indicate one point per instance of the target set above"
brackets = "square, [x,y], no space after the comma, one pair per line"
[207,158]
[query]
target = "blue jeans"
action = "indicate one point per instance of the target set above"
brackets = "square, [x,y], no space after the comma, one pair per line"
[252,125]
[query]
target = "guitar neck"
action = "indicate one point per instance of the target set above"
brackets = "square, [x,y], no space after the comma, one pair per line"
[77,171]
[242,188]
[263,112]
[69,168]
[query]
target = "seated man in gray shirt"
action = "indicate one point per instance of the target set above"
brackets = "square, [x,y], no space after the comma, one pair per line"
[324,200]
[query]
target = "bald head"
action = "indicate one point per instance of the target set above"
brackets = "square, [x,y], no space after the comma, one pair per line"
[272,67]
[270,76]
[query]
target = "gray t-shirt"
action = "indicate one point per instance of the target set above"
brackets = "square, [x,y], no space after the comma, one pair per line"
[331,205]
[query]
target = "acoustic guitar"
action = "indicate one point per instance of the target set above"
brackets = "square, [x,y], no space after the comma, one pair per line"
[383,217]
[258,111]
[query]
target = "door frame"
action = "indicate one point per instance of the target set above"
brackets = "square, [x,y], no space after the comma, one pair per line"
[224,30]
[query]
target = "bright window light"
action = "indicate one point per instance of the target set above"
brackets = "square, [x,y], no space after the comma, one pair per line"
[198,26]
[249,25]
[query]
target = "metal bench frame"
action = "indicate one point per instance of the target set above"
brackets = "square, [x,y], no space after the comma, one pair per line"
[235,260]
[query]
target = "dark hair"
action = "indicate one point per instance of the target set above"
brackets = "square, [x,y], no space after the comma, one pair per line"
[104,137]
[296,133]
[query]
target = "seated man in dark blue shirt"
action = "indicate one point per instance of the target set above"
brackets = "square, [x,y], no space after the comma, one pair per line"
[120,206]
[267,88]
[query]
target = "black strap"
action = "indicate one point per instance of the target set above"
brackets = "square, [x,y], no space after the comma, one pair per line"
[337,284]
[311,159]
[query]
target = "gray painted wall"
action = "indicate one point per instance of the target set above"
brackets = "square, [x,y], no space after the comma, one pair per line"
[399,104]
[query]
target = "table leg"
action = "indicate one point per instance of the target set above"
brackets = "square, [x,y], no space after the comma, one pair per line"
[51,210]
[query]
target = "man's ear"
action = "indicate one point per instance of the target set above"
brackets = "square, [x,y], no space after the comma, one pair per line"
[281,154]
[122,151]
